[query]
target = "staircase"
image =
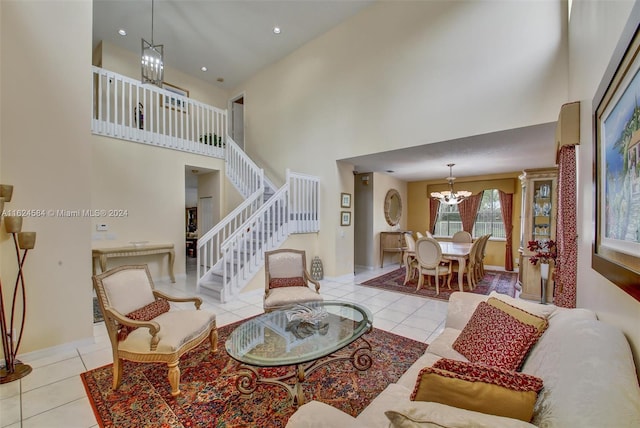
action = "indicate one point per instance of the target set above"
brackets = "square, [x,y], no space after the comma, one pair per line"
[231,253]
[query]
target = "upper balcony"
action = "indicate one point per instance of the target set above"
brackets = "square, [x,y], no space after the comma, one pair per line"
[125,108]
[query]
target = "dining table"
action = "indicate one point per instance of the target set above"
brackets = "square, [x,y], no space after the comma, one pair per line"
[458,251]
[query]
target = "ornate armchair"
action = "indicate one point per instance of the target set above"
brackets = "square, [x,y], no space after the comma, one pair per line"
[287,279]
[143,328]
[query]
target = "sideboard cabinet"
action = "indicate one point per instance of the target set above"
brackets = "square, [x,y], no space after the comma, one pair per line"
[391,242]
[537,222]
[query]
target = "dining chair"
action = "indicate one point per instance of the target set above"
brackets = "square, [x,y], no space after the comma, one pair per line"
[470,267]
[419,235]
[429,234]
[409,257]
[462,236]
[429,258]
[480,255]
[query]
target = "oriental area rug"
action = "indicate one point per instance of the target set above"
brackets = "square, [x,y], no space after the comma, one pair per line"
[501,282]
[209,396]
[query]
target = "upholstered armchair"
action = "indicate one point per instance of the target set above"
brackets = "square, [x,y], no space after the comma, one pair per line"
[287,279]
[144,328]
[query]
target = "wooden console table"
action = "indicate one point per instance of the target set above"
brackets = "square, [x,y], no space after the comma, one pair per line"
[102,254]
[392,242]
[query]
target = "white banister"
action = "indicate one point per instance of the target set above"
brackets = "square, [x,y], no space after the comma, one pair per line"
[241,170]
[304,202]
[127,109]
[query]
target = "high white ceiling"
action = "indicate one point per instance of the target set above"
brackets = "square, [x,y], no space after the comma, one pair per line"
[234,39]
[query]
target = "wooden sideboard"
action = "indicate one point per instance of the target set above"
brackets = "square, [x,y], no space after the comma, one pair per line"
[102,254]
[392,242]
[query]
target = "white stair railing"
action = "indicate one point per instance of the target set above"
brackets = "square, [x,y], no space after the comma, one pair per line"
[125,108]
[241,170]
[294,208]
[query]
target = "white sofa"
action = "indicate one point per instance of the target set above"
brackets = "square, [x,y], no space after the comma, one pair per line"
[586,365]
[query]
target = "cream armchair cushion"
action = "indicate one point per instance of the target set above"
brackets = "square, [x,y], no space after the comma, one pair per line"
[287,280]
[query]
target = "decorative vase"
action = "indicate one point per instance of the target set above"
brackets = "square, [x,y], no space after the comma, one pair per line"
[317,271]
[544,276]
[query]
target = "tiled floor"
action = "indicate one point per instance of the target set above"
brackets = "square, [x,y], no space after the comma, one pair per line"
[53,396]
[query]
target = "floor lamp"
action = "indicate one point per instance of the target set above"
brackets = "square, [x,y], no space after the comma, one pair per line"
[11,337]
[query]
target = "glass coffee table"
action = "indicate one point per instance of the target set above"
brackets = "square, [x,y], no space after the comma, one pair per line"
[300,336]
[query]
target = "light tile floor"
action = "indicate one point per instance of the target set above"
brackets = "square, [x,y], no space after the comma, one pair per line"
[53,395]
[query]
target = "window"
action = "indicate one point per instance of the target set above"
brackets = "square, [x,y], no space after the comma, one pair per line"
[489,218]
[449,221]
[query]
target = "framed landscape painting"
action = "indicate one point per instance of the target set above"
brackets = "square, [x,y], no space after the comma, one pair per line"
[616,246]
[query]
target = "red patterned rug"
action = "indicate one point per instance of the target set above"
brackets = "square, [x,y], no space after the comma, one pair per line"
[209,397]
[502,282]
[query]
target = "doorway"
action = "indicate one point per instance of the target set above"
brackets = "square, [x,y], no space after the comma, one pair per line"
[363,239]
[236,124]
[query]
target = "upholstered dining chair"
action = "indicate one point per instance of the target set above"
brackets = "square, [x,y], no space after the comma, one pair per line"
[480,255]
[287,279]
[409,257]
[462,236]
[470,269]
[419,235]
[429,257]
[142,326]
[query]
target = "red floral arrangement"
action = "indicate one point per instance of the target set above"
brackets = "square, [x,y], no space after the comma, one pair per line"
[543,251]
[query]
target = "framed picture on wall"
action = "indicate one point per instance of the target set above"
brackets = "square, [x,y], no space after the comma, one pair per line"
[177,102]
[345,200]
[616,244]
[345,218]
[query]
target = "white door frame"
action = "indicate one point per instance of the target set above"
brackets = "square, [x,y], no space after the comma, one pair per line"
[233,119]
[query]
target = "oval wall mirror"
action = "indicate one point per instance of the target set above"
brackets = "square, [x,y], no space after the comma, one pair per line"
[392,207]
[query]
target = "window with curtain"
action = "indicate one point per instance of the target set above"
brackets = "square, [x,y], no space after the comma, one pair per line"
[489,218]
[449,221]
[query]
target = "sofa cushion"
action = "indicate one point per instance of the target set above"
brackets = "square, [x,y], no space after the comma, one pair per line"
[316,414]
[477,387]
[544,311]
[423,414]
[540,323]
[495,338]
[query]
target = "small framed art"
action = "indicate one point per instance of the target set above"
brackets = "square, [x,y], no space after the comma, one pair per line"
[345,218]
[345,200]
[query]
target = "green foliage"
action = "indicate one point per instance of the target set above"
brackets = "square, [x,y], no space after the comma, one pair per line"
[212,140]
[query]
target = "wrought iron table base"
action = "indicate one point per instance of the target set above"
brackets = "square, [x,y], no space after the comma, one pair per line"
[249,378]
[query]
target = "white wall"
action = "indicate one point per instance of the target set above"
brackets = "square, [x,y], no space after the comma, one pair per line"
[401,74]
[595,29]
[45,98]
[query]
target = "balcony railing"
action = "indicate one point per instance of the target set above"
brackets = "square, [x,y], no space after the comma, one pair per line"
[127,109]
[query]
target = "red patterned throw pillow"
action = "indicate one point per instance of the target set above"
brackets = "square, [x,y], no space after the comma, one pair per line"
[474,386]
[296,281]
[495,338]
[145,313]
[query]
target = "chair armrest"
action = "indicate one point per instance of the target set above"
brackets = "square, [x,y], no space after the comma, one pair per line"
[153,326]
[197,301]
[311,280]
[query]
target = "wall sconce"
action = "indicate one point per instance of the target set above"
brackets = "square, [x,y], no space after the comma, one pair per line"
[23,241]
[365,180]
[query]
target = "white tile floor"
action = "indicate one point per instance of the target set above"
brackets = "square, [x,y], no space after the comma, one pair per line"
[53,396]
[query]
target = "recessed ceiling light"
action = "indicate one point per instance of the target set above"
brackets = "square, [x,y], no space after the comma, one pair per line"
[203,68]
[276,30]
[122,32]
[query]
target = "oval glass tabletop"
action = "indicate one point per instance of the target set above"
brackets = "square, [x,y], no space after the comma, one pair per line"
[298,334]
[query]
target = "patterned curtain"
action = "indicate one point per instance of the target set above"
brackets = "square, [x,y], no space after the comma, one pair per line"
[506,206]
[434,205]
[469,211]
[566,236]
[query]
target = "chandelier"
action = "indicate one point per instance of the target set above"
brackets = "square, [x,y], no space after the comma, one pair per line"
[451,197]
[152,59]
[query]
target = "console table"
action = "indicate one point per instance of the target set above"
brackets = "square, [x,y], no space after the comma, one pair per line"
[102,254]
[392,242]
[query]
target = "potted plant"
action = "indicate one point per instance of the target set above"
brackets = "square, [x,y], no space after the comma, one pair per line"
[212,140]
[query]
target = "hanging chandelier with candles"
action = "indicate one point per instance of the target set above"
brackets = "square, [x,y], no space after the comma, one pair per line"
[451,197]
[152,59]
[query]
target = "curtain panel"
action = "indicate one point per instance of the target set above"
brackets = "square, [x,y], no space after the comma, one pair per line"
[506,207]
[468,209]
[434,206]
[566,270]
